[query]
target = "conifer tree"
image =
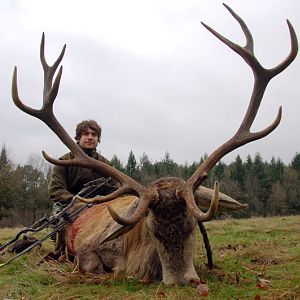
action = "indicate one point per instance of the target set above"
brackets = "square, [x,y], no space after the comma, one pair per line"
[116,162]
[131,168]
[7,192]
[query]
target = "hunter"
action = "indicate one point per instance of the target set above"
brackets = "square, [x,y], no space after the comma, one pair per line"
[67,181]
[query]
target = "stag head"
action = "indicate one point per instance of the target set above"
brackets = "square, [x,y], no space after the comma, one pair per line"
[163,193]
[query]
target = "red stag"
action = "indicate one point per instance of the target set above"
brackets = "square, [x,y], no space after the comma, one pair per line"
[149,231]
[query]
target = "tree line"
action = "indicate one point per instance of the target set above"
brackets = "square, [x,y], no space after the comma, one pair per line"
[269,188]
[23,190]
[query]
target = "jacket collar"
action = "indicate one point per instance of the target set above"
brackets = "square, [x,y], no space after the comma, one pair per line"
[90,152]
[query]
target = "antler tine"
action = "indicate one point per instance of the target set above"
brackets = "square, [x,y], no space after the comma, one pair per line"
[243,136]
[194,209]
[129,185]
[17,100]
[49,71]
[147,198]
[102,199]
[293,53]
[249,39]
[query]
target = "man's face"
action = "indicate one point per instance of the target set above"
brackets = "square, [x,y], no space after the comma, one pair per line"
[88,139]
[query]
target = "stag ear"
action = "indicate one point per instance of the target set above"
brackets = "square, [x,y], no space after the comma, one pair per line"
[117,229]
[203,198]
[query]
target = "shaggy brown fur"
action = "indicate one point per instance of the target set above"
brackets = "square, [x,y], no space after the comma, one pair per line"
[159,247]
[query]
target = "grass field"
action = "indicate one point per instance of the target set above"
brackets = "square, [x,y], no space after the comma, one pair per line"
[257,258]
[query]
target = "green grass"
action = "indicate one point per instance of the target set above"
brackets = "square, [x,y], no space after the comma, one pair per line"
[257,258]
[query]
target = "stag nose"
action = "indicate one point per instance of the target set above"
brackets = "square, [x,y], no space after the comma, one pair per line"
[189,277]
[181,281]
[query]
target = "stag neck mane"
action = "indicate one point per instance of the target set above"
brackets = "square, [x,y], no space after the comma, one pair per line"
[137,245]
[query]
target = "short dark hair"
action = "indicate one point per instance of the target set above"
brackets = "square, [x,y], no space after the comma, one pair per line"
[84,125]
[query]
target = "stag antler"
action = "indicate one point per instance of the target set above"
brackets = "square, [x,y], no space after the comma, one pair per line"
[243,136]
[128,185]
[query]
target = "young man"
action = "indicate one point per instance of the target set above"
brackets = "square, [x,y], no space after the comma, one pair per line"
[67,181]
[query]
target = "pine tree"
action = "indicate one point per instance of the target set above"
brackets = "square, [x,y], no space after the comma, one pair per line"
[116,162]
[169,166]
[237,172]
[295,164]
[7,192]
[275,170]
[219,171]
[131,168]
[146,169]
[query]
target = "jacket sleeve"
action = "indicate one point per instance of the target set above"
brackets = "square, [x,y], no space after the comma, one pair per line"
[58,186]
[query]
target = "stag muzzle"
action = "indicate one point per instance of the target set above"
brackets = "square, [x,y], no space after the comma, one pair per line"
[189,276]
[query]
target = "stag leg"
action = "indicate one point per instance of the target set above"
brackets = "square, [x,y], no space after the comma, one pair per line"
[89,262]
[60,244]
[207,245]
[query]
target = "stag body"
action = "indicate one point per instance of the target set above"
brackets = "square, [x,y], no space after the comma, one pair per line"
[159,247]
[157,229]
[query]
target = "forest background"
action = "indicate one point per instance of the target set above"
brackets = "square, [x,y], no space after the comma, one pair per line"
[270,188]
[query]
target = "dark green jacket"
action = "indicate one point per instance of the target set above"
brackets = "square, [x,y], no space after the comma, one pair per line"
[67,181]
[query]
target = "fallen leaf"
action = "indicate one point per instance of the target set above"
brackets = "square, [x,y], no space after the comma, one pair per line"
[161,295]
[263,284]
[202,289]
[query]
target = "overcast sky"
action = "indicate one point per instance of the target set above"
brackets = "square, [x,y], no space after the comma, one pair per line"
[150,74]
